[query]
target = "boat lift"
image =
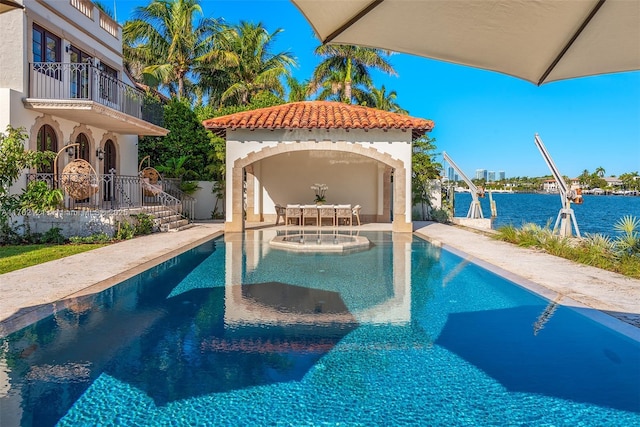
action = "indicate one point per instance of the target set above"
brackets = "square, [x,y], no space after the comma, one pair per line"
[566,216]
[475,210]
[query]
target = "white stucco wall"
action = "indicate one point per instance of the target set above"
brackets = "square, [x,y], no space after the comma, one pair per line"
[206,200]
[12,50]
[287,178]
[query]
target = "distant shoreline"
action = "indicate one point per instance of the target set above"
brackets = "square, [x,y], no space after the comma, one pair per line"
[585,192]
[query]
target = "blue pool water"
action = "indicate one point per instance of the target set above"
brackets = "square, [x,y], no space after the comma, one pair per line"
[237,333]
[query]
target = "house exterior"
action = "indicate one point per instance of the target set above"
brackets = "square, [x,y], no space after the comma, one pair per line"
[550,186]
[274,155]
[62,80]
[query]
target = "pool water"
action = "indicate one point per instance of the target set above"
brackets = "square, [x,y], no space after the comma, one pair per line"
[234,332]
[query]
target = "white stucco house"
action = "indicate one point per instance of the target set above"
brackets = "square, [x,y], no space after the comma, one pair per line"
[62,79]
[274,155]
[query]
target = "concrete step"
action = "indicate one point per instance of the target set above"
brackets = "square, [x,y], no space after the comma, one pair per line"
[183,227]
[176,225]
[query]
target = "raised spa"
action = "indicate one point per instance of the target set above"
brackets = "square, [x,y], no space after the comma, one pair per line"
[319,242]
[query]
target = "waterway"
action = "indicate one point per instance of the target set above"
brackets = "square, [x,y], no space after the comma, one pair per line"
[598,214]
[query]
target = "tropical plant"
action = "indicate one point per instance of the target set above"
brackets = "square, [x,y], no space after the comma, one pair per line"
[600,171]
[246,65]
[143,224]
[344,74]
[424,171]
[628,242]
[630,180]
[124,231]
[621,254]
[187,138]
[439,215]
[13,160]
[175,167]
[166,43]
[386,101]
[298,90]
[38,197]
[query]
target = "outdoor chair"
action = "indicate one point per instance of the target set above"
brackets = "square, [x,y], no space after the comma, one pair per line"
[343,212]
[326,212]
[356,212]
[309,212]
[293,212]
[280,213]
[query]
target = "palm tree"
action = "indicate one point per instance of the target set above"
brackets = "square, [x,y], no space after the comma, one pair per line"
[344,67]
[165,43]
[629,180]
[584,178]
[245,65]
[298,90]
[600,171]
[386,101]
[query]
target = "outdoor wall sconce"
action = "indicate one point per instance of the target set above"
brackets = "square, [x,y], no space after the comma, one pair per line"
[100,154]
[71,150]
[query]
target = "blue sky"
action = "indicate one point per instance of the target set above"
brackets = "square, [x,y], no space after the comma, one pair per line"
[483,120]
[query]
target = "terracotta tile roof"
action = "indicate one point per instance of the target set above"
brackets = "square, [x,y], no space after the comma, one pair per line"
[318,115]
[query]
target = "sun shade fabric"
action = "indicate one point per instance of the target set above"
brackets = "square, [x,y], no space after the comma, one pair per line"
[521,38]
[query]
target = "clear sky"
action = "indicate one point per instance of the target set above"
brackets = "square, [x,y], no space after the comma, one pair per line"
[483,120]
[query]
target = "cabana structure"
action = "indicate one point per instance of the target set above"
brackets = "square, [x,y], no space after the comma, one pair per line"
[274,155]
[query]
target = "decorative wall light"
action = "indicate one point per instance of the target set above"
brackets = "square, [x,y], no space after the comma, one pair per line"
[71,149]
[100,154]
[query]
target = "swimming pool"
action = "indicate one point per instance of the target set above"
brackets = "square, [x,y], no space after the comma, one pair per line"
[234,332]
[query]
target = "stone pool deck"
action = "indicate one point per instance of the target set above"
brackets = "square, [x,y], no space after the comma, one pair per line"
[23,292]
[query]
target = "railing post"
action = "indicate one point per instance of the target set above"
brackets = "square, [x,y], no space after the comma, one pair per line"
[112,193]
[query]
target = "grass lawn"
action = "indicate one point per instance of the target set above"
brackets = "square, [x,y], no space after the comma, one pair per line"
[21,256]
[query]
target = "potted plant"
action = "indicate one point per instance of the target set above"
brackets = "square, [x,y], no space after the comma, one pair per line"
[320,191]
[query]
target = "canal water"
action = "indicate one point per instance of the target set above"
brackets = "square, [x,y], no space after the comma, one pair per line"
[598,214]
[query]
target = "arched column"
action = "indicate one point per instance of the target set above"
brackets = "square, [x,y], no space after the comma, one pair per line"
[401,221]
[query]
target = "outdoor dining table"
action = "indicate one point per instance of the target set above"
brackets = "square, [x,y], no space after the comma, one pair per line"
[317,212]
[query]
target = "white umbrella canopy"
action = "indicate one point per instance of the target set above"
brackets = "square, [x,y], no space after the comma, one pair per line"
[7,5]
[540,41]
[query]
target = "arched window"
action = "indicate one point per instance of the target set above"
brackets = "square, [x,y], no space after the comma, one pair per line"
[82,151]
[47,141]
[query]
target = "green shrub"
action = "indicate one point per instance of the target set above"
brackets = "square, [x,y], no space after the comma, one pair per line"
[628,243]
[38,197]
[54,236]
[621,255]
[144,224]
[94,238]
[124,231]
[439,215]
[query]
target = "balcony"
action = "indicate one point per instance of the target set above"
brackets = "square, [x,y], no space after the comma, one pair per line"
[82,93]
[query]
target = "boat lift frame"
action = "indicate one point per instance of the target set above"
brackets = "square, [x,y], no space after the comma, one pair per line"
[475,210]
[566,216]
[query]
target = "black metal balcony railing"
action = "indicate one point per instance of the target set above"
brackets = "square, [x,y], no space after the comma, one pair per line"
[112,192]
[83,81]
